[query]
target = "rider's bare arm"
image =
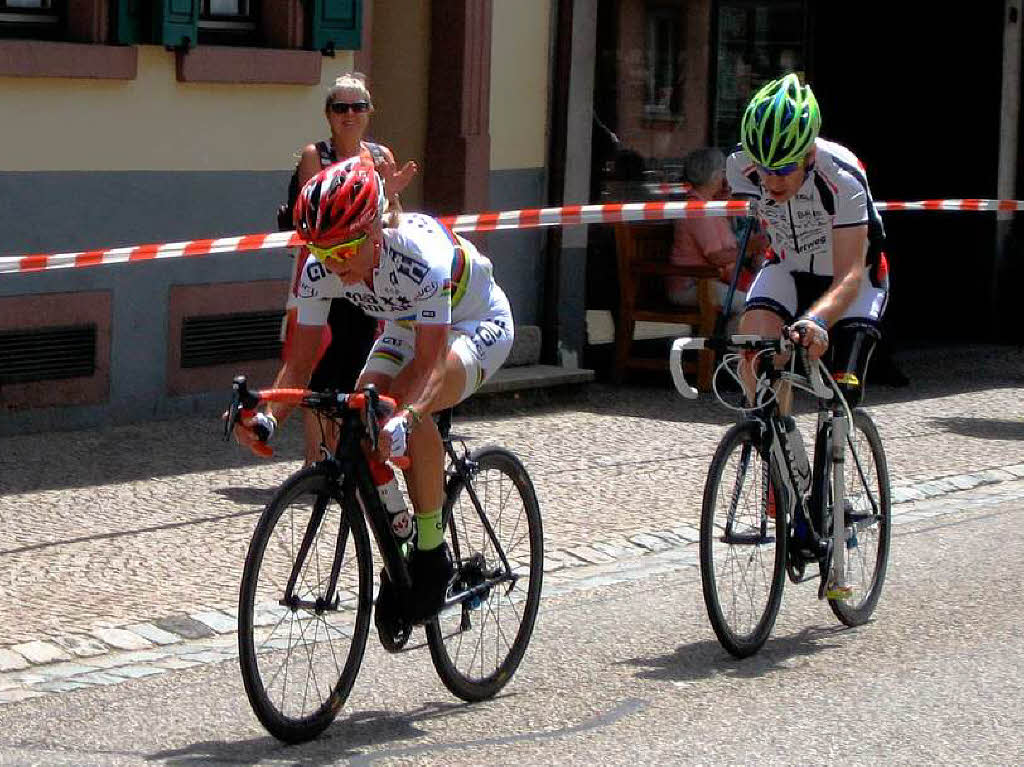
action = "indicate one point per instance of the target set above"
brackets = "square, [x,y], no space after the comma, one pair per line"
[309,164]
[849,258]
[297,370]
[294,374]
[419,382]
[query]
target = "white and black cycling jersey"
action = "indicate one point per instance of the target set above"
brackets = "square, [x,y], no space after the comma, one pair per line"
[834,195]
[426,275]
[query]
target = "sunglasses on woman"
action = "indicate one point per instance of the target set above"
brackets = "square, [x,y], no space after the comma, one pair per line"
[343,107]
[341,252]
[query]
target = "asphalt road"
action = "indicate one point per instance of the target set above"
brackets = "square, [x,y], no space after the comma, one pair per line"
[624,669]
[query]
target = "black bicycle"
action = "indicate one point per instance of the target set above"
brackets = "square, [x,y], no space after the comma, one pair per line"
[767,512]
[307,589]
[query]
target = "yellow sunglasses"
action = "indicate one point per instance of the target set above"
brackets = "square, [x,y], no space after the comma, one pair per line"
[340,252]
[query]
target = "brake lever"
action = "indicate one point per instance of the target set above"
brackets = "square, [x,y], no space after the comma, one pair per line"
[235,408]
[370,415]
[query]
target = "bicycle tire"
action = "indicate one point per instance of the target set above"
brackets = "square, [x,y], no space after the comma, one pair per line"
[857,613]
[272,552]
[500,473]
[724,484]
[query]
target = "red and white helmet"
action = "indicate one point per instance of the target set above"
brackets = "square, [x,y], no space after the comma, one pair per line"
[339,203]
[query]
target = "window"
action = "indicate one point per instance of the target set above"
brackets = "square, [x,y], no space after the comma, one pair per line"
[40,19]
[663,49]
[758,40]
[229,22]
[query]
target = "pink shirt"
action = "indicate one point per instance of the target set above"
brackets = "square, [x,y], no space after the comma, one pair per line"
[695,239]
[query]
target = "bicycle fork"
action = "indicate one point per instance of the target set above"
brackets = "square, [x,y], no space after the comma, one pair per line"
[837,586]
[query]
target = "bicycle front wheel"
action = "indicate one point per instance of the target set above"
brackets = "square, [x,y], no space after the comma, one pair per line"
[477,646]
[868,518]
[304,607]
[742,542]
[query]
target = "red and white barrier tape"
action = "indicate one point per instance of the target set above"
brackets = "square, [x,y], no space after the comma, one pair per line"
[569,215]
[953,205]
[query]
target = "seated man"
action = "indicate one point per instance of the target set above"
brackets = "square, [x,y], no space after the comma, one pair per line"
[448,327]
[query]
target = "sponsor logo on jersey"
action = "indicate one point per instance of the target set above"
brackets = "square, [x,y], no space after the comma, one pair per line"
[315,271]
[374,304]
[408,266]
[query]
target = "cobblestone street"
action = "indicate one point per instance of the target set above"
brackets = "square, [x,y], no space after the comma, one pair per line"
[119,527]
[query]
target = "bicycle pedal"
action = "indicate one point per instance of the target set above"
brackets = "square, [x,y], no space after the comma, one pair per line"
[839,593]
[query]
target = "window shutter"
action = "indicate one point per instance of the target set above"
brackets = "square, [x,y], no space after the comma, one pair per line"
[175,22]
[128,22]
[336,24]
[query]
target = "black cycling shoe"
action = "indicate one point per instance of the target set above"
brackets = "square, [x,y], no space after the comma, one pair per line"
[393,629]
[431,573]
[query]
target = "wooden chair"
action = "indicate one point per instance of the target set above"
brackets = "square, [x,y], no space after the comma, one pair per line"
[643,265]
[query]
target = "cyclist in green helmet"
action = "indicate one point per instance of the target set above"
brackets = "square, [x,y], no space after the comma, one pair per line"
[825,271]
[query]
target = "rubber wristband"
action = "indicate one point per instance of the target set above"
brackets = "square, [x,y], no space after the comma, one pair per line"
[819,321]
[414,414]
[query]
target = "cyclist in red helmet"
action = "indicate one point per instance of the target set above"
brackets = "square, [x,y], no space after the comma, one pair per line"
[448,327]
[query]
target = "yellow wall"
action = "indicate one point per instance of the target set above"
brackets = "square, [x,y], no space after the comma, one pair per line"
[156,123]
[520,68]
[399,83]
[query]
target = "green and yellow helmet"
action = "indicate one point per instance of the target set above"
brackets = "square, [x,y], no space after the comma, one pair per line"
[780,123]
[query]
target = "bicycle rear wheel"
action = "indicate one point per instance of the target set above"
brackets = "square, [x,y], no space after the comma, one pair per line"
[300,648]
[868,521]
[477,646]
[742,543]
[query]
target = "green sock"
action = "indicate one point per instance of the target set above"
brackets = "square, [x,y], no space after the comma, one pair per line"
[429,534]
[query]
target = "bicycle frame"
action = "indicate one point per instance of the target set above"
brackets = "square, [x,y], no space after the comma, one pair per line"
[357,488]
[462,467]
[831,441]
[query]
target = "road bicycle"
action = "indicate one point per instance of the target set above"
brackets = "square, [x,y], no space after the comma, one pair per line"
[306,596]
[767,513]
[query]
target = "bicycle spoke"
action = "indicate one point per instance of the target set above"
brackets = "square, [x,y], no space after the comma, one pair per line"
[295,655]
[742,556]
[498,527]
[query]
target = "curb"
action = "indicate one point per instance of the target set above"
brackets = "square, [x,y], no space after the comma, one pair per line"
[113,654]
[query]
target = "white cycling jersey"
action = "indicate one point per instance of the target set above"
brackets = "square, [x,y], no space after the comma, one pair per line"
[834,195]
[799,267]
[427,275]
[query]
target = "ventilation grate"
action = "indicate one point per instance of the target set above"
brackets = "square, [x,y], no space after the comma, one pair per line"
[47,354]
[216,339]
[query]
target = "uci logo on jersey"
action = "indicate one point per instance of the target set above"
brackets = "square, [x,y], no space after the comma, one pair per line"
[427,290]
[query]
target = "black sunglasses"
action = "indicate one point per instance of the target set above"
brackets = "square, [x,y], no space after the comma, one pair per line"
[342,107]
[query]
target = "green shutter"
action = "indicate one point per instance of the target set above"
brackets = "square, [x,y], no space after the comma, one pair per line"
[128,22]
[336,24]
[175,22]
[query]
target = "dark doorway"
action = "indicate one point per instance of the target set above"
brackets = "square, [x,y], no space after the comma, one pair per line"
[914,92]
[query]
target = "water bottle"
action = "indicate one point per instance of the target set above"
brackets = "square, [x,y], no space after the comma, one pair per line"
[798,456]
[391,496]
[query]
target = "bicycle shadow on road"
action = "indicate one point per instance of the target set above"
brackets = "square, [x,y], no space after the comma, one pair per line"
[247,496]
[982,428]
[707,659]
[346,739]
